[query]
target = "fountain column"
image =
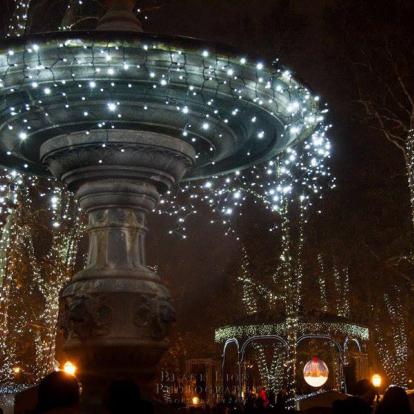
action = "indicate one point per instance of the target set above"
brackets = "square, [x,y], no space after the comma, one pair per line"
[116,313]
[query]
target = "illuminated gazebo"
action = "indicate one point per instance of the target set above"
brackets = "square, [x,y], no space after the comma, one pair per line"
[338,332]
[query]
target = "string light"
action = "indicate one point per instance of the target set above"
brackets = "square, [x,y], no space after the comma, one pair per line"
[409,151]
[334,328]
[271,377]
[19,20]
[322,284]
[392,344]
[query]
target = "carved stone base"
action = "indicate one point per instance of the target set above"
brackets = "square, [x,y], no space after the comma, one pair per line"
[115,328]
[128,313]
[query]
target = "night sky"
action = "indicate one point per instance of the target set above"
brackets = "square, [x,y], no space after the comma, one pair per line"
[365,222]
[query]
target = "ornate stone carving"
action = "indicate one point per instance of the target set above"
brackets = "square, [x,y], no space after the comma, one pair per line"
[145,312]
[86,317]
[153,316]
[167,317]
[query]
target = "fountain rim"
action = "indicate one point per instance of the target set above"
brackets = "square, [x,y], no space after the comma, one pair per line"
[171,44]
[186,42]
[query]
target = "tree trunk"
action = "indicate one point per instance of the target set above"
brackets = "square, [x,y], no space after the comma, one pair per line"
[292,337]
[409,162]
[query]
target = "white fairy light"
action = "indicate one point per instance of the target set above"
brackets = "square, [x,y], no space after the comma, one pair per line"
[341,328]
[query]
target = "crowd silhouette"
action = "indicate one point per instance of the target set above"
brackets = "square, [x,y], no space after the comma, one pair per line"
[59,393]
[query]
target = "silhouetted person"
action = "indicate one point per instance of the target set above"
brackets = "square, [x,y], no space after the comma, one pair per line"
[352,405]
[1,410]
[271,397]
[58,393]
[395,401]
[360,403]
[365,391]
[250,405]
[263,398]
[281,401]
[124,397]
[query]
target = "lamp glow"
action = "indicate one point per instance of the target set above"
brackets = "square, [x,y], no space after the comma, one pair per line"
[376,380]
[69,368]
[196,400]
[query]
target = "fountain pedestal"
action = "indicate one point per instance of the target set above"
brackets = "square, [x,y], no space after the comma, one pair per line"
[116,313]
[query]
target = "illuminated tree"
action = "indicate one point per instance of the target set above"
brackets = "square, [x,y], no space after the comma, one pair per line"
[32,276]
[286,292]
[58,266]
[392,342]
[19,294]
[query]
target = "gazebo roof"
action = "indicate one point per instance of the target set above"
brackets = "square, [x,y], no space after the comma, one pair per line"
[323,324]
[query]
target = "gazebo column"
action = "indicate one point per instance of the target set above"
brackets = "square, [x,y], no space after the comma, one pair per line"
[239,373]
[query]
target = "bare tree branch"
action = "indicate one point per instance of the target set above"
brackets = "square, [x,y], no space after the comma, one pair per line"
[398,76]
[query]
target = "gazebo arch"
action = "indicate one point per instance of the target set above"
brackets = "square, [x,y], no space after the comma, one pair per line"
[229,342]
[355,340]
[258,338]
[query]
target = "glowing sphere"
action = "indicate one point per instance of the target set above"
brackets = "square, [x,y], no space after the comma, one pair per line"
[316,373]
[196,400]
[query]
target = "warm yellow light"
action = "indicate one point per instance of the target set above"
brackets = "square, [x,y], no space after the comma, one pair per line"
[316,382]
[17,370]
[376,380]
[196,400]
[69,368]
